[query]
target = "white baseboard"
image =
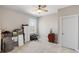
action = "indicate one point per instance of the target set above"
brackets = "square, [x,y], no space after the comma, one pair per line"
[77,50]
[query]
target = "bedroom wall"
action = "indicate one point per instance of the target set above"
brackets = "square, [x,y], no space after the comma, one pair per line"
[46,23]
[71,10]
[13,19]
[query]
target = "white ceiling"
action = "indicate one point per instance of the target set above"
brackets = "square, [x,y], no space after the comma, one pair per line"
[31,9]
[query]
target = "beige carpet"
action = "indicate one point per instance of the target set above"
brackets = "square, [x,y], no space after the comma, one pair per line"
[41,47]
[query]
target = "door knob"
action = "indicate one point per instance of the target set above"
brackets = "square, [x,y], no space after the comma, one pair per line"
[62,33]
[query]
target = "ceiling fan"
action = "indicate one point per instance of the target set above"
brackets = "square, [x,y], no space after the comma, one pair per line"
[41,8]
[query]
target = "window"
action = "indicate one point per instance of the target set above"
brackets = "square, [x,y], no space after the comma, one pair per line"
[33,25]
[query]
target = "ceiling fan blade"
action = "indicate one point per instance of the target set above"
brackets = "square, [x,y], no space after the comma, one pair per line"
[46,10]
[43,6]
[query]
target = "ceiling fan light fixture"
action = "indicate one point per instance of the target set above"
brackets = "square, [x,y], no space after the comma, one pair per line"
[41,9]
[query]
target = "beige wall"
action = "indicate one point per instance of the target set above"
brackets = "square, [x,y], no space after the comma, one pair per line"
[71,10]
[0,17]
[46,23]
[11,19]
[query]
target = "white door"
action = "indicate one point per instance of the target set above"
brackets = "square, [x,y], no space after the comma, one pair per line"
[70,32]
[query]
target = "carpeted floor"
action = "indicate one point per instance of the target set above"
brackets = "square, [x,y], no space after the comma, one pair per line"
[41,47]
